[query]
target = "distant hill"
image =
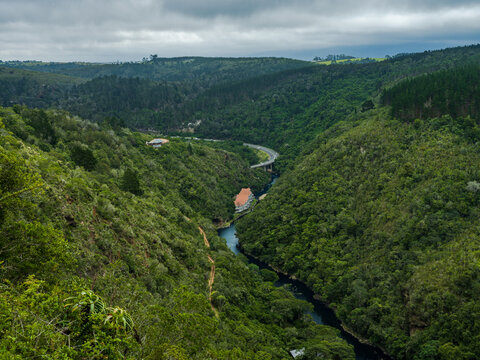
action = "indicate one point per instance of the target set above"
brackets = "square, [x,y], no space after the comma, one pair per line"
[288,109]
[208,71]
[282,103]
[37,89]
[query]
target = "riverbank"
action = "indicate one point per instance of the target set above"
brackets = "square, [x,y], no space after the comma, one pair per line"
[364,349]
[316,297]
[323,313]
[224,225]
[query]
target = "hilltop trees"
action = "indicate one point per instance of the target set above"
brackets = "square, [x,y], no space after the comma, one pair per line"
[452,92]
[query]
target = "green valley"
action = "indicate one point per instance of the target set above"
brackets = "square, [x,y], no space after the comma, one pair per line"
[93,267]
[381,220]
[109,247]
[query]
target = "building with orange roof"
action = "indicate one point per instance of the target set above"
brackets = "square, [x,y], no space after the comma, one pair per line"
[243,200]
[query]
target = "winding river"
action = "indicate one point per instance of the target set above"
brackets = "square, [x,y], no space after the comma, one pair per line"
[321,313]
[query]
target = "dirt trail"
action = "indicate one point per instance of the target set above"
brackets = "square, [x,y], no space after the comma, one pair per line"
[212,271]
[205,240]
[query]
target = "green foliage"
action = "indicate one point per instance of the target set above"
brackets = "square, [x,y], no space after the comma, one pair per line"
[287,110]
[381,221]
[26,246]
[199,69]
[32,248]
[236,147]
[33,88]
[36,324]
[130,182]
[82,156]
[452,92]
[280,103]
[96,330]
[142,257]
[87,302]
[379,217]
[368,105]
[39,120]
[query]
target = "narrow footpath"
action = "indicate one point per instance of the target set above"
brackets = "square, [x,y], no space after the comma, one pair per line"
[212,271]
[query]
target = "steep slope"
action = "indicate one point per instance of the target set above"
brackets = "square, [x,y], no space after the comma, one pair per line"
[381,220]
[287,110]
[101,254]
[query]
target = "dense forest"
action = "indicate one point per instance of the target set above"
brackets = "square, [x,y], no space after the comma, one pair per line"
[102,250]
[203,70]
[102,254]
[455,92]
[381,220]
[284,107]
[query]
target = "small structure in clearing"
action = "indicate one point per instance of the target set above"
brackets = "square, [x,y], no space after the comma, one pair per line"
[243,200]
[297,353]
[156,143]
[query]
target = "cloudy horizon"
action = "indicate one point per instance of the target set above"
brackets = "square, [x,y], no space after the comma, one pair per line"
[127,30]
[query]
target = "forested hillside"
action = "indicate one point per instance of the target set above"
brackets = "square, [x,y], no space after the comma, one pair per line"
[287,110]
[203,70]
[281,103]
[33,88]
[102,254]
[455,92]
[381,220]
[376,208]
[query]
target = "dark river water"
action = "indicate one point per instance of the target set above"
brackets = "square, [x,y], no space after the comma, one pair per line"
[321,313]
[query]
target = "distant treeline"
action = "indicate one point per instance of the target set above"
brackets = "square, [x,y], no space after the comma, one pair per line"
[333,57]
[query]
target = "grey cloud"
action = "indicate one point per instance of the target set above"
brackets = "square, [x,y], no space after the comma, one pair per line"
[129,29]
[213,8]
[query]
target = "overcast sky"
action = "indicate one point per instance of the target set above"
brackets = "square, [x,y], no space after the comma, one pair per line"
[125,30]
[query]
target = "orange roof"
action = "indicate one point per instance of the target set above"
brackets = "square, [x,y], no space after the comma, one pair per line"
[242,197]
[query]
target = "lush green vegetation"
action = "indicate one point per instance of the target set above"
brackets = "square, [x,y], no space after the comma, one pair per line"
[251,155]
[452,92]
[101,254]
[287,110]
[376,209]
[205,71]
[33,88]
[381,220]
[280,103]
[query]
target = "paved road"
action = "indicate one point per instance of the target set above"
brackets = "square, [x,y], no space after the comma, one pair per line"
[272,155]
